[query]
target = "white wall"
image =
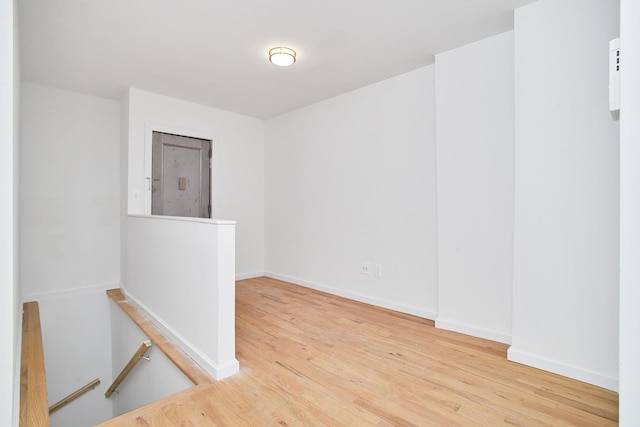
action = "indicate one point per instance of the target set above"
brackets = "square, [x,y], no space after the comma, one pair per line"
[565,296]
[180,273]
[10,309]
[70,232]
[70,191]
[76,337]
[150,380]
[352,179]
[474,122]
[629,214]
[238,166]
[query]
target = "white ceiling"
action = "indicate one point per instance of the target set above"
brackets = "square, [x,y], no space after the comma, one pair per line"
[214,52]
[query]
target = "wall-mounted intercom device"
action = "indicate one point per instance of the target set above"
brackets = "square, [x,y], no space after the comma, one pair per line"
[614,78]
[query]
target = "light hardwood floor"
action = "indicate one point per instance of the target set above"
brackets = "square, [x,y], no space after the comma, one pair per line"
[313,359]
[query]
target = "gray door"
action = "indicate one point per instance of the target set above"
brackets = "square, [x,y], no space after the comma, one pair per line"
[181,176]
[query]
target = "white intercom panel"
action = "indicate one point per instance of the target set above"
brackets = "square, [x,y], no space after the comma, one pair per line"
[614,78]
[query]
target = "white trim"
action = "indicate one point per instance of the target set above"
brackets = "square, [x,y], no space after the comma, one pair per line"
[225,371]
[185,218]
[63,293]
[212,368]
[175,130]
[244,276]
[17,371]
[415,311]
[474,331]
[570,371]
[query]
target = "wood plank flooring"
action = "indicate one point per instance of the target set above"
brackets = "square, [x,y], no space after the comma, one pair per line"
[313,359]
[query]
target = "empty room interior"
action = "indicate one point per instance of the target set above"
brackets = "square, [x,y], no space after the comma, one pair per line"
[349,213]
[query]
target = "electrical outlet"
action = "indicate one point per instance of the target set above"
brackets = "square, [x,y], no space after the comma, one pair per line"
[377,270]
[365,267]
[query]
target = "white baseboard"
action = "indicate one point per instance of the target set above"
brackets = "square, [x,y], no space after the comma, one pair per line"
[574,372]
[244,276]
[379,302]
[218,372]
[63,293]
[227,370]
[474,331]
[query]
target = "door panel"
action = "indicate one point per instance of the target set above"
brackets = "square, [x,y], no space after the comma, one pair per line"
[181,176]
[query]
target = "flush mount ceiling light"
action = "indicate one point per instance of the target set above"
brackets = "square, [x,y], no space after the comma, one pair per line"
[282,56]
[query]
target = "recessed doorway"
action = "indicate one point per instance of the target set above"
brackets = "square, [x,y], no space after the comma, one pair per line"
[180,175]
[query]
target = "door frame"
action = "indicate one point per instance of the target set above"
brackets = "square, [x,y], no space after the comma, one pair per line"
[148,148]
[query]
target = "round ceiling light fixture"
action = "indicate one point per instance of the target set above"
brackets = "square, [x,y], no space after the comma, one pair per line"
[282,56]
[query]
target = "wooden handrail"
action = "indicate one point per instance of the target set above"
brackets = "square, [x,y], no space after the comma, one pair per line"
[184,362]
[73,396]
[132,362]
[34,411]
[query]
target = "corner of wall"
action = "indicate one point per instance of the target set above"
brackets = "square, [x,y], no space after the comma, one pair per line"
[124,179]
[629,362]
[17,289]
[253,275]
[473,330]
[567,177]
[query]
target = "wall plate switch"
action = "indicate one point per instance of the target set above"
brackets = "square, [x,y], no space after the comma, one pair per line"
[377,270]
[365,267]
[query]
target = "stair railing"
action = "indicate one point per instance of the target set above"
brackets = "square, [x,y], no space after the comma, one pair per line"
[73,396]
[139,354]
